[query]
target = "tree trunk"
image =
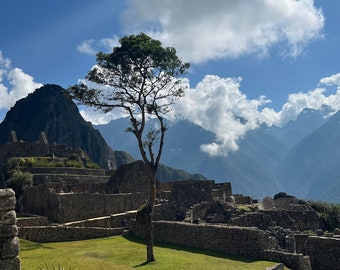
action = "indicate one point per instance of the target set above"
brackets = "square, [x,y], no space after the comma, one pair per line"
[149,240]
[148,225]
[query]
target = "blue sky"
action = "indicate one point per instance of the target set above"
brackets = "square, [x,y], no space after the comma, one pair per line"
[261,60]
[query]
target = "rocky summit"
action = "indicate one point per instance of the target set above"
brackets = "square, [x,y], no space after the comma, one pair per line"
[51,110]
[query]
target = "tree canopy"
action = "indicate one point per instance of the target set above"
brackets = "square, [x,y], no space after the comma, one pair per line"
[140,77]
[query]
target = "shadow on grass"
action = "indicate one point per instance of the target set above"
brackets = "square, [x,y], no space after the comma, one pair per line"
[141,265]
[28,245]
[189,249]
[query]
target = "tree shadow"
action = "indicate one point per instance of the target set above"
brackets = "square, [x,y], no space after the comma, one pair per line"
[141,265]
[202,251]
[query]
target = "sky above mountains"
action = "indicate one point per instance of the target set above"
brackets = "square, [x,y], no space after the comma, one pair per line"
[259,61]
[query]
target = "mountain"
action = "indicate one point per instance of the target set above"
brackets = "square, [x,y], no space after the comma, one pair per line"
[269,159]
[312,167]
[50,109]
[307,121]
[248,174]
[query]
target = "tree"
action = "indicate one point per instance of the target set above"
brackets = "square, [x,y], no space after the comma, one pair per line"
[143,79]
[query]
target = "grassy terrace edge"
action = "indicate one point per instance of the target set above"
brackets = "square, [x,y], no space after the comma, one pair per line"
[126,252]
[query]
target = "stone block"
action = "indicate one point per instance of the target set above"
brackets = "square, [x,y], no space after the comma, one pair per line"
[10,248]
[8,218]
[10,264]
[7,192]
[7,203]
[8,231]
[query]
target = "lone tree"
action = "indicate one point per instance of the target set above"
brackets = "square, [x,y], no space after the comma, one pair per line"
[143,79]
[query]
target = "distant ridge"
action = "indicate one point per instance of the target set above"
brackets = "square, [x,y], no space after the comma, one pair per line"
[301,158]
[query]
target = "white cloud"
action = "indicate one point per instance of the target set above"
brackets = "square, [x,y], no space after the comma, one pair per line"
[217,104]
[91,46]
[332,80]
[204,30]
[85,47]
[99,118]
[14,83]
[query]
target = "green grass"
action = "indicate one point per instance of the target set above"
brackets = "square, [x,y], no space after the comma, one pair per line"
[126,253]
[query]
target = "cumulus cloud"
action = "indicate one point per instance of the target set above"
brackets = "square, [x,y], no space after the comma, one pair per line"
[217,104]
[14,83]
[204,30]
[91,46]
[332,80]
[99,118]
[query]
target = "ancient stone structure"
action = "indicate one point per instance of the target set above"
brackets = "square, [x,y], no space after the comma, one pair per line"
[66,207]
[9,241]
[129,178]
[250,242]
[87,204]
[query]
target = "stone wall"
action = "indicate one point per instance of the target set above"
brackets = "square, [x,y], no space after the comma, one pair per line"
[45,234]
[67,170]
[293,261]
[9,241]
[324,252]
[188,193]
[62,183]
[249,242]
[32,221]
[68,207]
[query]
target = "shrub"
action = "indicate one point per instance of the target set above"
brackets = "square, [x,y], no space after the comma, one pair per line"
[19,181]
[329,214]
[92,165]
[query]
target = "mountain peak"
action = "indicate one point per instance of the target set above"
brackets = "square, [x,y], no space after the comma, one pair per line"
[50,109]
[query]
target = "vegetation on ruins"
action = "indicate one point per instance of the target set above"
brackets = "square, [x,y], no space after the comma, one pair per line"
[141,78]
[25,163]
[329,214]
[17,169]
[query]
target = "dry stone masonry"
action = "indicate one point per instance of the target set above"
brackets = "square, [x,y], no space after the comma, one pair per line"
[9,241]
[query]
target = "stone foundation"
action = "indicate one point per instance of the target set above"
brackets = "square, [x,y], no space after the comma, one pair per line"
[9,241]
[46,234]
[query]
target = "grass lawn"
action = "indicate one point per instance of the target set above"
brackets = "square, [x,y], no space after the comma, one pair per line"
[126,253]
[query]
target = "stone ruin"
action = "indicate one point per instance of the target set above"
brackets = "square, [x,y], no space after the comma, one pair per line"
[93,203]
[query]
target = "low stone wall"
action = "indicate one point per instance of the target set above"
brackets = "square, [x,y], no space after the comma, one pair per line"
[244,241]
[164,211]
[113,221]
[293,261]
[32,221]
[324,252]
[9,241]
[46,234]
[248,242]
[67,170]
